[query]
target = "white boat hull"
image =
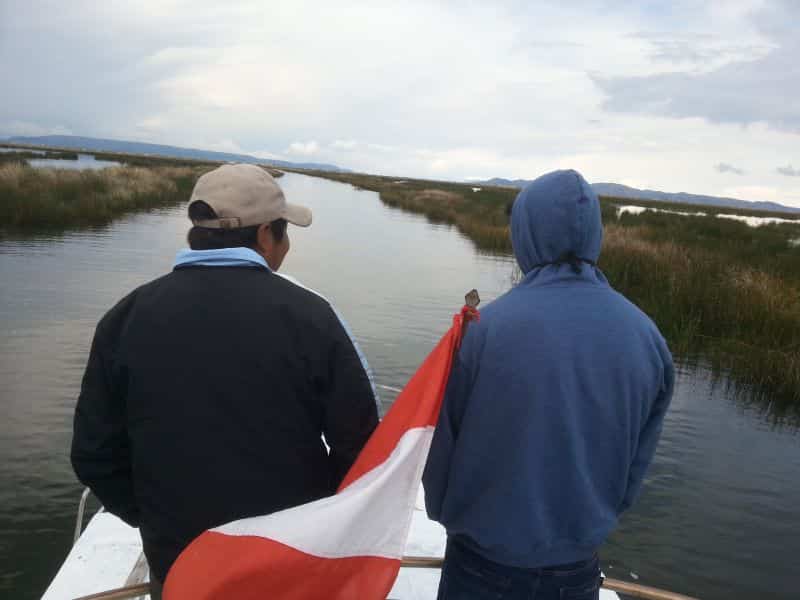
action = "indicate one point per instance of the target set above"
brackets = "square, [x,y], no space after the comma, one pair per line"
[106,554]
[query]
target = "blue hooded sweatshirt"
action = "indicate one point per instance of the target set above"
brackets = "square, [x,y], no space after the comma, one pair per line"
[556,398]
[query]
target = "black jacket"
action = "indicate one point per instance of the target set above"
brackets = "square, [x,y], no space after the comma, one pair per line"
[205,400]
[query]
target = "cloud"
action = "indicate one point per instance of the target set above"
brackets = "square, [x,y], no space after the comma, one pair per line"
[303,148]
[756,193]
[25,128]
[152,124]
[743,93]
[267,155]
[701,50]
[382,148]
[754,84]
[620,90]
[226,145]
[726,168]
[344,144]
[789,171]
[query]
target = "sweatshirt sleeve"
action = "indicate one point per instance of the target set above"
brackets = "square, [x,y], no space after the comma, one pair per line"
[650,434]
[100,448]
[350,408]
[437,469]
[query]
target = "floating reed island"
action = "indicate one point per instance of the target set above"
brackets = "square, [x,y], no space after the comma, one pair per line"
[725,294]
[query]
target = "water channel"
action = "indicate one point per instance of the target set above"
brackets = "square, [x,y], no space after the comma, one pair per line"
[720,514]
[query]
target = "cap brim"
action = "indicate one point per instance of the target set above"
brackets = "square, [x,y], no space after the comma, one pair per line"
[297,215]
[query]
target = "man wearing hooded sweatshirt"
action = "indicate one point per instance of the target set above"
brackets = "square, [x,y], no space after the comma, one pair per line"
[552,414]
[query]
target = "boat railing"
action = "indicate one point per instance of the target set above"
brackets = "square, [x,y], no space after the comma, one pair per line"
[81,511]
[137,589]
[633,590]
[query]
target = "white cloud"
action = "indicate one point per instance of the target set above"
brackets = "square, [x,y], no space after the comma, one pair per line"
[226,146]
[152,124]
[789,171]
[760,192]
[726,168]
[303,148]
[381,148]
[267,155]
[343,144]
[624,91]
[26,128]
[752,81]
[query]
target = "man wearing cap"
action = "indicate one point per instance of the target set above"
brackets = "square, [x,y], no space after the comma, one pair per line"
[208,391]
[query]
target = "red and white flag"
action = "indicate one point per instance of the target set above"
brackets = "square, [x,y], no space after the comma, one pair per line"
[347,546]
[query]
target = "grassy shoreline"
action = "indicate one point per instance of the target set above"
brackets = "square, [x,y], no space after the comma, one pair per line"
[46,199]
[723,293]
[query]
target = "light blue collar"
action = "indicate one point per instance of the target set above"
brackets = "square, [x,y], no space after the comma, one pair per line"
[226,257]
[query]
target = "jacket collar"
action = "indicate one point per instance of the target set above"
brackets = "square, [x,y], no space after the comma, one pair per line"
[225,257]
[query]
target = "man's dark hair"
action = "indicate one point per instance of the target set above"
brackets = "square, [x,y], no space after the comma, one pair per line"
[205,238]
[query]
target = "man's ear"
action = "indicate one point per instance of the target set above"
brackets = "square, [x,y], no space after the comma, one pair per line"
[264,237]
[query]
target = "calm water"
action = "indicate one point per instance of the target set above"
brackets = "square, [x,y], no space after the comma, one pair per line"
[4,149]
[720,515]
[84,161]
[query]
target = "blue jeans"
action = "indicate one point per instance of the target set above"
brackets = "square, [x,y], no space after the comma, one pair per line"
[468,576]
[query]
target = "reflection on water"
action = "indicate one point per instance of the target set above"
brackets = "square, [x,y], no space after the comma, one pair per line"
[5,149]
[720,514]
[84,161]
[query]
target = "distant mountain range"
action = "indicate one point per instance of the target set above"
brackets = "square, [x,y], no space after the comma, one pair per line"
[623,191]
[100,145]
[617,190]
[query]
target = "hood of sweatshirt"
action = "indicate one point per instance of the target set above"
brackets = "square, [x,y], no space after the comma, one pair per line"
[554,217]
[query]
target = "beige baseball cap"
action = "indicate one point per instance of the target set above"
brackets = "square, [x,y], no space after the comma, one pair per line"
[243,195]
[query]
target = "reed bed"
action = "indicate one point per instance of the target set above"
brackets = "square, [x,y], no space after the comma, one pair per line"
[723,293]
[33,199]
[712,308]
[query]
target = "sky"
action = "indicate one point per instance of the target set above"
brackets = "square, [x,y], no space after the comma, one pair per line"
[688,95]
